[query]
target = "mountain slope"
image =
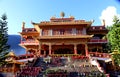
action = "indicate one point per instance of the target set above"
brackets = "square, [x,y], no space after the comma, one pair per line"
[14,41]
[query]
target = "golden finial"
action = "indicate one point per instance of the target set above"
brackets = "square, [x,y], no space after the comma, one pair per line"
[92,20]
[103,22]
[53,17]
[11,53]
[71,16]
[62,14]
[23,25]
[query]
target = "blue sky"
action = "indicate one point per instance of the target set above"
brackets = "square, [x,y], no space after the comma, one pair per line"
[39,10]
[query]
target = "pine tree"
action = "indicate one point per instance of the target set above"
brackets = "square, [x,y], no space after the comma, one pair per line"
[3,39]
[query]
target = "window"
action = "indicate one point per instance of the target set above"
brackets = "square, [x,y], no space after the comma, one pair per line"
[68,31]
[45,32]
[56,32]
[78,31]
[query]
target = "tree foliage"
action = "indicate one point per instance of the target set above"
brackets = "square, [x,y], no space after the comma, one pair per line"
[116,58]
[3,39]
[114,40]
[114,34]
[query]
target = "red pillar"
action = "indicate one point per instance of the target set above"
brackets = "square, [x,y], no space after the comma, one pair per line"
[40,48]
[50,49]
[86,50]
[75,48]
[44,52]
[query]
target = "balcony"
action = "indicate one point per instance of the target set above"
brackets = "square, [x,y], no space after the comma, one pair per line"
[25,57]
[98,54]
[31,42]
[65,37]
[98,41]
[29,30]
[101,56]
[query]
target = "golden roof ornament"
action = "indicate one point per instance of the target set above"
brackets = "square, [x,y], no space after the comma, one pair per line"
[11,54]
[92,20]
[23,25]
[53,17]
[71,16]
[103,22]
[62,14]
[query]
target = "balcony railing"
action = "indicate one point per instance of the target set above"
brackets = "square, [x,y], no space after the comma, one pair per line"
[31,42]
[8,70]
[25,56]
[98,54]
[98,41]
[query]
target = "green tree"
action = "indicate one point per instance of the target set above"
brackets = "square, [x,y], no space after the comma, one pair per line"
[114,34]
[116,58]
[114,40]
[3,39]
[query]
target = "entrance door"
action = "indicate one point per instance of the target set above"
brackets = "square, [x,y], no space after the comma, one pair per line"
[63,51]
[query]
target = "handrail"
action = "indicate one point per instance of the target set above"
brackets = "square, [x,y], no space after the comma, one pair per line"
[98,54]
[7,69]
[25,56]
[29,42]
[98,40]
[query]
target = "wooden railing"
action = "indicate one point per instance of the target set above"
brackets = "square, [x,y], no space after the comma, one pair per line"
[64,55]
[98,54]
[8,69]
[25,56]
[98,41]
[29,72]
[57,75]
[31,42]
[67,23]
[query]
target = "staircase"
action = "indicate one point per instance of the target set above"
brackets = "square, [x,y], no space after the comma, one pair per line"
[29,72]
[35,69]
[80,67]
[40,63]
[94,62]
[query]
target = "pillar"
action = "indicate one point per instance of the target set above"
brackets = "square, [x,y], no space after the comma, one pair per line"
[40,48]
[36,50]
[50,46]
[74,31]
[50,32]
[40,32]
[13,68]
[44,52]
[75,48]
[86,50]
[26,53]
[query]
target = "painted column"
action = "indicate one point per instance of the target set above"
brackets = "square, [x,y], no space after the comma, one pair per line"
[50,32]
[40,48]
[44,52]
[73,31]
[40,32]
[36,51]
[50,46]
[13,68]
[75,48]
[86,49]
[84,31]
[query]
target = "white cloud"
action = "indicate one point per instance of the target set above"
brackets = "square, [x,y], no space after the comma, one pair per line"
[108,14]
